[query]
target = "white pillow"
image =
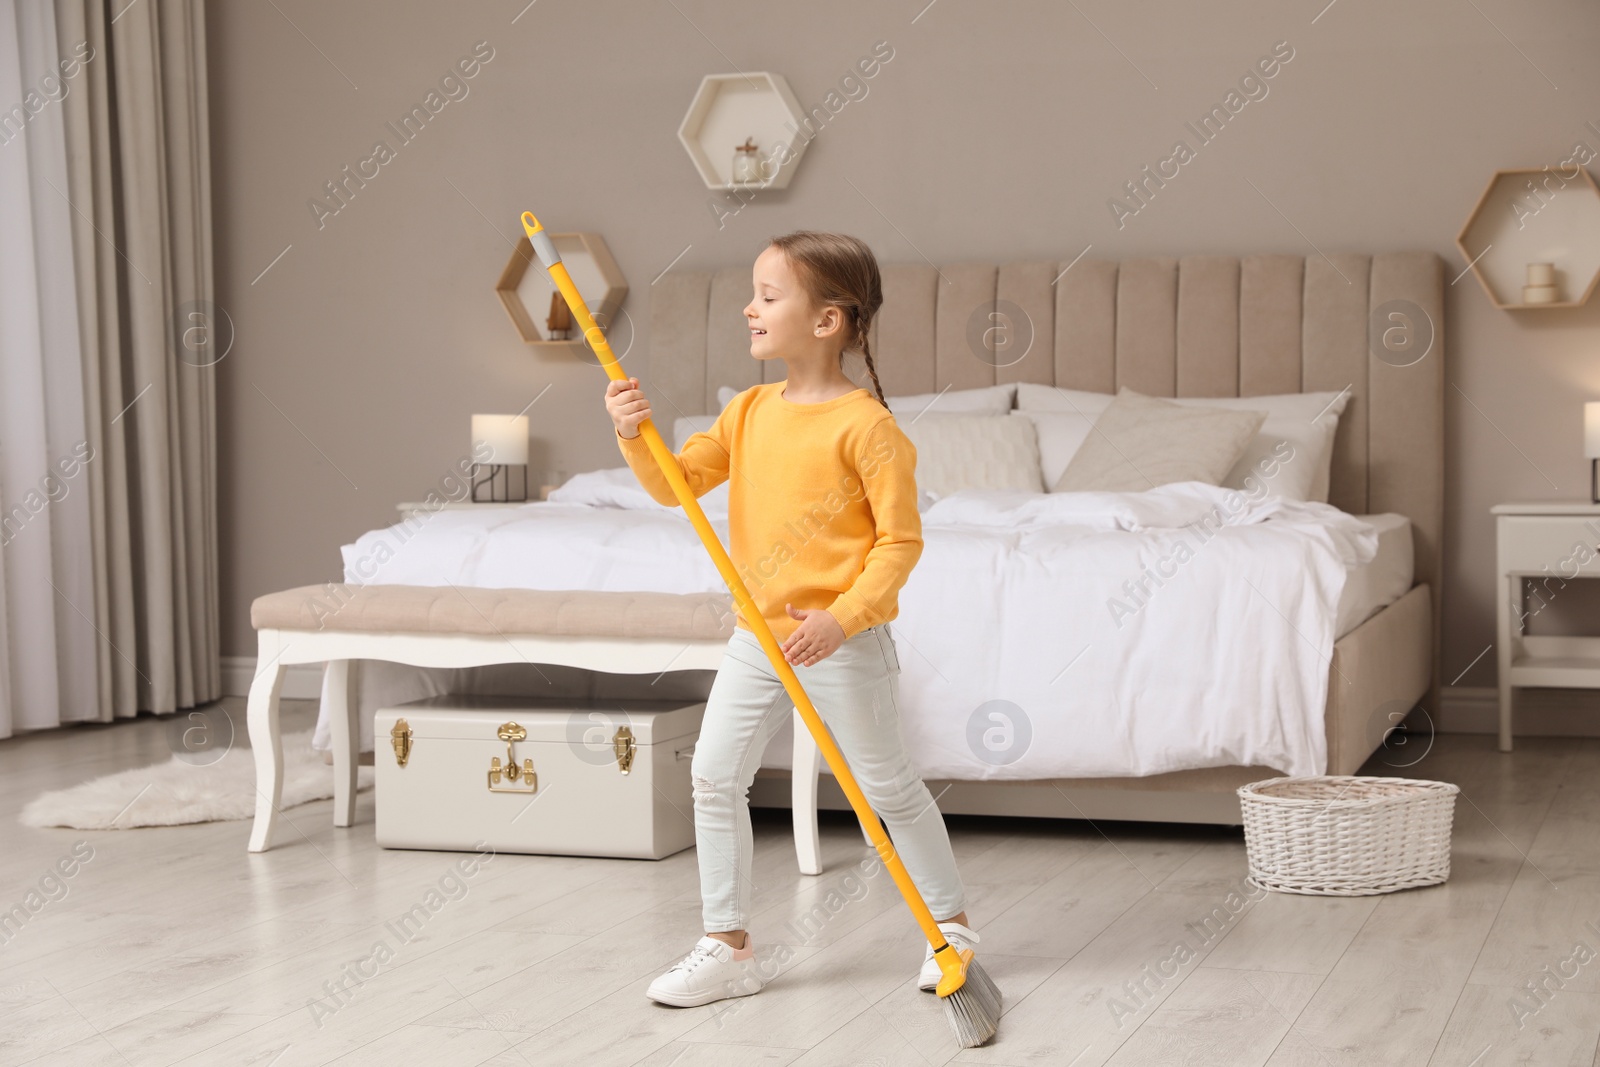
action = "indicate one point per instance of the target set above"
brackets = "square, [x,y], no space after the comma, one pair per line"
[618,487]
[973,451]
[988,400]
[1034,397]
[1292,453]
[686,425]
[1307,422]
[1061,419]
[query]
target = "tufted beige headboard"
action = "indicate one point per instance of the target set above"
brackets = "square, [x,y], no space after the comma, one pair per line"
[1195,326]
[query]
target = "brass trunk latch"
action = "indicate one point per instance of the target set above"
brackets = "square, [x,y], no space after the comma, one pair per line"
[400,738]
[511,732]
[622,744]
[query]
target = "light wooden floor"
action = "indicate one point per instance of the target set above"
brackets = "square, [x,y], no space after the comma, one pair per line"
[176,946]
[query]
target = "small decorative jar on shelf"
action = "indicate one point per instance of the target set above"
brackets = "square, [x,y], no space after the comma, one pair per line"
[560,321]
[1541,287]
[746,164]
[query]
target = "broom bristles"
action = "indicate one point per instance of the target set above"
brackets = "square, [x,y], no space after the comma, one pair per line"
[973,1011]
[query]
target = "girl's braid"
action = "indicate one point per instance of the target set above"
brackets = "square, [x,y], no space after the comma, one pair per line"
[866,351]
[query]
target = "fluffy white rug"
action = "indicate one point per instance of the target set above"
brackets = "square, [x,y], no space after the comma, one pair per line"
[175,792]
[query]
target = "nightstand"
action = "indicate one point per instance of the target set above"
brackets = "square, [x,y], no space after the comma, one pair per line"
[1556,541]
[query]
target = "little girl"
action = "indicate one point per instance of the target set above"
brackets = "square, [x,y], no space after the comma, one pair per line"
[824,531]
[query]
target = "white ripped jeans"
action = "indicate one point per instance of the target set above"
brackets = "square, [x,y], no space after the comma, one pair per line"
[856,692]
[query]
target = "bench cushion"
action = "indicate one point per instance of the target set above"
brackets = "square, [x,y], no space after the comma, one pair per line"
[495,612]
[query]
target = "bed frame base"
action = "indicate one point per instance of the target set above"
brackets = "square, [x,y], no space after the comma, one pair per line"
[773,788]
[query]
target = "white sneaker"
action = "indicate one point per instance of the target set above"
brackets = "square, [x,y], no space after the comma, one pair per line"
[959,937]
[713,970]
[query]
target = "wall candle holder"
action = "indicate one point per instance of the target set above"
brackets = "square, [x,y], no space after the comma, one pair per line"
[1543,220]
[757,106]
[538,312]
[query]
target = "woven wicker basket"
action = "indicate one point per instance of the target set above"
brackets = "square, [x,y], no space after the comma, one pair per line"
[1346,835]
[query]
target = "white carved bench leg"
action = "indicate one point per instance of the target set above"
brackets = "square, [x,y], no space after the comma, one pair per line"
[261,714]
[346,739]
[803,797]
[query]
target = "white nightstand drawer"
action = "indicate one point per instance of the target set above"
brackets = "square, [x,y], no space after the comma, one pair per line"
[1562,545]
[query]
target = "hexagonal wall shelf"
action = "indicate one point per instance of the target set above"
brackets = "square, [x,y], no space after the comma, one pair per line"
[727,110]
[526,293]
[1535,215]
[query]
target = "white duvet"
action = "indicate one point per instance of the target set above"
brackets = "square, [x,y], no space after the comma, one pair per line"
[1041,635]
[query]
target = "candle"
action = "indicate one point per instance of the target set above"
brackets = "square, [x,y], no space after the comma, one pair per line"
[1541,273]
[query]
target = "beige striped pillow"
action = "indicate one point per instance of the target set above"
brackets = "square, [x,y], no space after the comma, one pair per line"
[1140,442]
[973,451]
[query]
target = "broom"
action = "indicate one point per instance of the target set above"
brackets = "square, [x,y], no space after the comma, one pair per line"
[970,998]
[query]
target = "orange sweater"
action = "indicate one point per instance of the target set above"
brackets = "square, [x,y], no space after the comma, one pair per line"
[822,502]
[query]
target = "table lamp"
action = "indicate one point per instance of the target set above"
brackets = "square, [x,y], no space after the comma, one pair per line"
[1591,447]
[505,439]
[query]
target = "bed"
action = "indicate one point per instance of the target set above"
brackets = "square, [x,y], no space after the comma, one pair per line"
[1355,642]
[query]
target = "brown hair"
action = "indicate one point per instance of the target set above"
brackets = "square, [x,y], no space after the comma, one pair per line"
[841,271]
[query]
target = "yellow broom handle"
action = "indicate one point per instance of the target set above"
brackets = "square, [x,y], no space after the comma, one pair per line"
[546,250]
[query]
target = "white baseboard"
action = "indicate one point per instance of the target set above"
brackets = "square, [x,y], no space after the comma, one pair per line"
[1464,710]
[1535,712]
[301,681]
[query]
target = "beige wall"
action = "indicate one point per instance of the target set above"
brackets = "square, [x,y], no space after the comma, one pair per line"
[996,131]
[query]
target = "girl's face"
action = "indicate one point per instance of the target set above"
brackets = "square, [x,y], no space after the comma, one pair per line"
[783,321]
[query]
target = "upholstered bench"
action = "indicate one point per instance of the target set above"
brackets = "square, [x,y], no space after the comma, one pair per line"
[460,626]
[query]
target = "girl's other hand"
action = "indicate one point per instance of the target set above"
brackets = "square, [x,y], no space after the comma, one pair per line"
[626,405]
[818,636]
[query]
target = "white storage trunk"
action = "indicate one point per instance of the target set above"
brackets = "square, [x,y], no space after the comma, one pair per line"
[592,777]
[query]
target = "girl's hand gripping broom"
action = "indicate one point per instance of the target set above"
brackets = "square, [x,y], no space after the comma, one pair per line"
[970,998]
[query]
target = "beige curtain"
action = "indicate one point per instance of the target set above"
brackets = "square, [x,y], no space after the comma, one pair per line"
[138,160]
